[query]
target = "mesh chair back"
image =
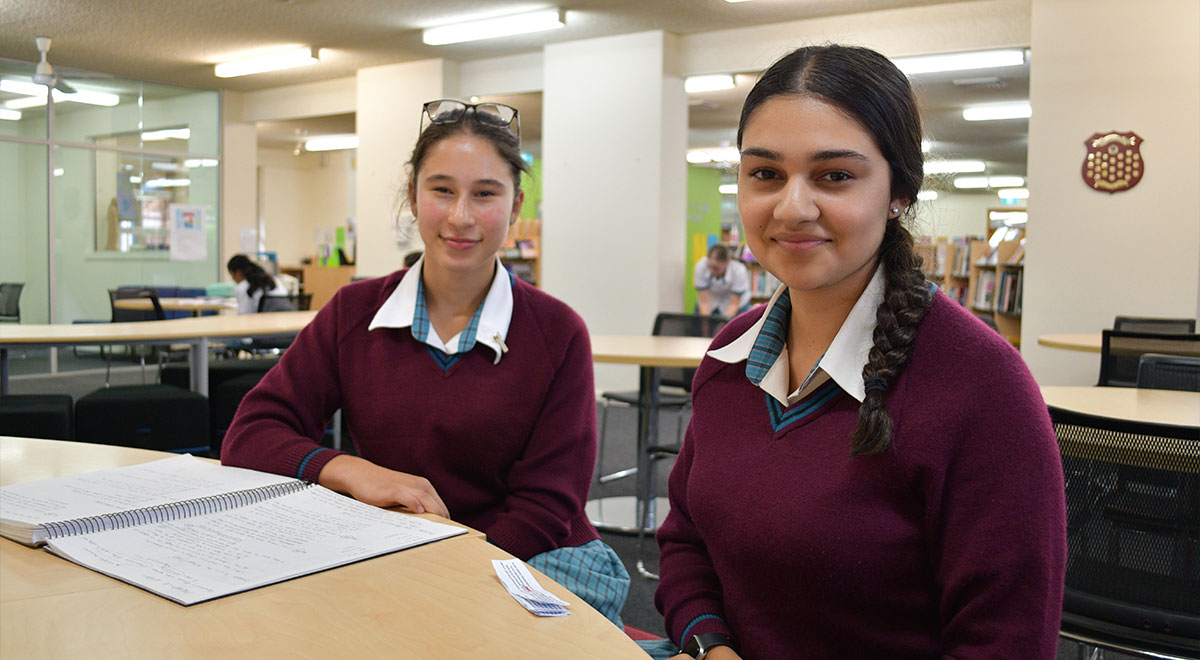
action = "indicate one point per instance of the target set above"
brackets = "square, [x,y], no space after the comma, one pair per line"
[1133,529]
[156,312]
[1169,372]
[289,303]
[10,301]
[684,325]
[1120,353]
[1161,326]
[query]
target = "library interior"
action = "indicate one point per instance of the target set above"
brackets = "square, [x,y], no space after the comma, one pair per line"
[190,219]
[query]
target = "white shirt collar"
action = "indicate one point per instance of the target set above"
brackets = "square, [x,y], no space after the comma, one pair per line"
[843,361]
[400,308]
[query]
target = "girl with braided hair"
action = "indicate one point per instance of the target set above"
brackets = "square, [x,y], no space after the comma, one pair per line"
[869,472]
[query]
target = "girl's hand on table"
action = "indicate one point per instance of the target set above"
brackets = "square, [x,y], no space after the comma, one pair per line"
[377,485]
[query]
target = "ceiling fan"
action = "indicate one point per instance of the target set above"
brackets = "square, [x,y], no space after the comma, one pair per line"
[45,74]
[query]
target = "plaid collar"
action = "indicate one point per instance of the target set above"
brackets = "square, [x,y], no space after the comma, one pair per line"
[764,347]
[406,308]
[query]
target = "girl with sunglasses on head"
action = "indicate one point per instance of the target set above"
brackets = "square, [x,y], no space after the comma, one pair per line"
[468,392]
[869,471]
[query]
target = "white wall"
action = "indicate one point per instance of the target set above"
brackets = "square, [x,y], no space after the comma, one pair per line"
[301,195]
[1093,255]
[955,214]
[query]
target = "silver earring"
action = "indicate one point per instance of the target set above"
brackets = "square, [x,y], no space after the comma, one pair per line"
[895,209]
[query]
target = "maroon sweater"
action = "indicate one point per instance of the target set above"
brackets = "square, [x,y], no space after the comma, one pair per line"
[509,447]
[951,544]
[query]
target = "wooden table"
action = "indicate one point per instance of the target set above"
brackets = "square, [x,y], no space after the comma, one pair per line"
[193,305]
[441,600]
[194,331]
[1138,405]
[624,513]
[1088,342]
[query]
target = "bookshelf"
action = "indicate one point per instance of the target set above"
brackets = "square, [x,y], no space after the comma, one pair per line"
[762,283]
[946,262]
[995,285]
[522,250]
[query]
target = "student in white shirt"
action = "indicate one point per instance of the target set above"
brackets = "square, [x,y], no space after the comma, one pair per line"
[722,284]
[252,284]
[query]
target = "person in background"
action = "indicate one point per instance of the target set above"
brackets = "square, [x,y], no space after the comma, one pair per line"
[252,282]
[468,393]
[869,472]
[722,284]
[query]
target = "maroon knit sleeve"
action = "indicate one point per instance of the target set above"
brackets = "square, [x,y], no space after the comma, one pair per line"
[279,422]
[689,592]
[548,484]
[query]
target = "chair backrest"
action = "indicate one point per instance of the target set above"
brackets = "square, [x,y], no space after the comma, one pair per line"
[1120,353]
[1162,326]
[10,301]
[1133,516]
[684,325]
[290,303]
[156,312]
[1169,372]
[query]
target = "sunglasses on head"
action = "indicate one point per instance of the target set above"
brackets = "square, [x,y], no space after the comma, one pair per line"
[449,111]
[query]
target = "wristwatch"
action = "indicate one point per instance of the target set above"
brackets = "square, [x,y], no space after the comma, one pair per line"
[699,645]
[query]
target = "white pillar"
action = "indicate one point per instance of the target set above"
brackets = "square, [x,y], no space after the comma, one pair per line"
[1104,66]
[614,140]
[239,176]
[389,121]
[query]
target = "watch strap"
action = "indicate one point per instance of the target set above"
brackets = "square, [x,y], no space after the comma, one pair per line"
[698,646]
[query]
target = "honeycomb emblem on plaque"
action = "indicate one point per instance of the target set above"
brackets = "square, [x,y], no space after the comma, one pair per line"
[1113,162]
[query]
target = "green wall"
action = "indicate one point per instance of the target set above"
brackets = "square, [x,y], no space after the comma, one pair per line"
[703,222]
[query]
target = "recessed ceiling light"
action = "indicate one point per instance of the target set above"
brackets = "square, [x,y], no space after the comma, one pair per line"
[979,59]
[1019,110]
[491,28]
[286,59]
[952,166]
[331,143]
[712,83]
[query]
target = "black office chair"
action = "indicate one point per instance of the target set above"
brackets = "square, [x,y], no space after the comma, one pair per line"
[675,384]
[1121,352]
[1161,326]
[295,302]
[10,302]
[1133,535]
[1169,372]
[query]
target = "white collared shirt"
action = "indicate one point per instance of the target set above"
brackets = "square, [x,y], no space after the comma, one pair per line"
[495,314]
[843,361]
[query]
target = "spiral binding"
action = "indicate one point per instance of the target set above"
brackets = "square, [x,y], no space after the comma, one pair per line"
[198,506]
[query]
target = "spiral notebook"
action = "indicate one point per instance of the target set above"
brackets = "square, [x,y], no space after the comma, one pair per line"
[190,530]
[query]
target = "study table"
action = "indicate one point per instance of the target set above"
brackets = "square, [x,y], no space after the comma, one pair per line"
[623,513]
[1087,342]
[1170,407]
[196,332]
[440,600]
[193,305]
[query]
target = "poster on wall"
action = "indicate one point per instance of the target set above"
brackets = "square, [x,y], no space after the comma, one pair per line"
[187,233]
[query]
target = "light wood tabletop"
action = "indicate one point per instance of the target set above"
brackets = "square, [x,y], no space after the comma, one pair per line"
[193,305]
[649,351]
[196,331]
[441,600]
[1130,403]
[1088,342]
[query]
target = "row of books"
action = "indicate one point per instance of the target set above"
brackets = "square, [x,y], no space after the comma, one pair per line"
[762,283]
[954,254]
[1008,295]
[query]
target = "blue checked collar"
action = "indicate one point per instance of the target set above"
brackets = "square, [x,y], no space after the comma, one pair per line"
[764,347]
[405,308]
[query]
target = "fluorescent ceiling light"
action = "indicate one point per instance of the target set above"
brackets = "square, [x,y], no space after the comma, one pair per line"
[1020,110]
[1009,217]
[331,143]
[58,171]
[135,179]
[713,83]
[11,115]
[980,59]
[736,1]
[37,95]
[1013,193]
[927,195]
[989,182]
[698,156]
[167,134]
[286,59]
[27,102]
[926,146]
[167,183]
[713,155]
[727,188]
[200,162]
[952,166]
[491,28]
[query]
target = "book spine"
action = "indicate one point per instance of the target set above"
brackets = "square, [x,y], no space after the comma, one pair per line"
[171,511]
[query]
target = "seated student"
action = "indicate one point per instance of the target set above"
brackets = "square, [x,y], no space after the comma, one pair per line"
[722,284]
[869,472]
[252,283]
[468,393]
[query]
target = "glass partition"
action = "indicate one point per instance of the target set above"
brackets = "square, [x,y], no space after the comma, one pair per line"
[23,239]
